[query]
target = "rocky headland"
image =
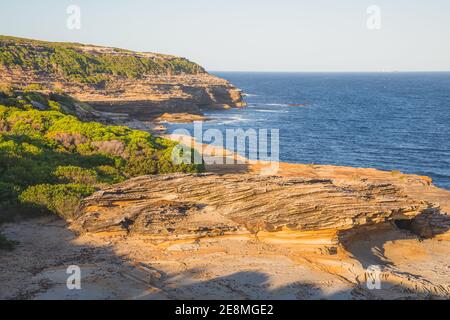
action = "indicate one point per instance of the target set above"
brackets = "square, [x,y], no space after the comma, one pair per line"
[121,83]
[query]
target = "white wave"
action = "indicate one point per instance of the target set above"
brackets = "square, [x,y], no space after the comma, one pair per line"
[221,121]
[255,105]
[270,111]
[277,104]
[236,119]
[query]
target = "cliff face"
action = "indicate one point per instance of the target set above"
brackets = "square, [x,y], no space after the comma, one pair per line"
[151,97]
[115,80]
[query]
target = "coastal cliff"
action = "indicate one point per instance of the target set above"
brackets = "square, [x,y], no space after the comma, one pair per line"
[140,85]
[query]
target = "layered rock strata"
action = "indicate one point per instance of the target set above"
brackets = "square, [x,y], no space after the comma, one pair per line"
[175,207]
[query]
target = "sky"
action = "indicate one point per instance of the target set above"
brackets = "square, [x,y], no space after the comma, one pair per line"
[253,35]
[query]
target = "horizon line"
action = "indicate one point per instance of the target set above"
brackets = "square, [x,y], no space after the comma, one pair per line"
[281,71]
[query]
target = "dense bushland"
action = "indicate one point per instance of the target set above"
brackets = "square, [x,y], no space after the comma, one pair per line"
[50,160]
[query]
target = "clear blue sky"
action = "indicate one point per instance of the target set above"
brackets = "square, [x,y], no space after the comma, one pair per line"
[252,35]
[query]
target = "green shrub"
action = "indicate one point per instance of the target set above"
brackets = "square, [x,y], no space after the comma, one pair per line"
[6,244]
[33,87]
[8,192]
[109,174]
[62,199]
[41,149]
[54,105]
[76,174]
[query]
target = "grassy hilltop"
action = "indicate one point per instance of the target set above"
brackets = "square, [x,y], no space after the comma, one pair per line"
[87,64]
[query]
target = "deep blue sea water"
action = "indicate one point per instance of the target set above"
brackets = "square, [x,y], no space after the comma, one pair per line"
[389,121]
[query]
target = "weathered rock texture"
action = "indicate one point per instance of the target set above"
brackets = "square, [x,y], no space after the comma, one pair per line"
[242,236]
[151,97]
[331,223]
[191,206]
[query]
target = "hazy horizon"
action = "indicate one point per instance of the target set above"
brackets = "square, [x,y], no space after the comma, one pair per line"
[255,36]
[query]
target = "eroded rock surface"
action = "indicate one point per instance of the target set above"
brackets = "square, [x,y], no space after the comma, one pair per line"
[181,206]
[150,97]
[242,236]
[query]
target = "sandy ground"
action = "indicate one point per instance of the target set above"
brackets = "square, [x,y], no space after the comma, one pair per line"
[119,267]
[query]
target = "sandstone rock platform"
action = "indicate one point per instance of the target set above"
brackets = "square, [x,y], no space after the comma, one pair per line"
[182,206]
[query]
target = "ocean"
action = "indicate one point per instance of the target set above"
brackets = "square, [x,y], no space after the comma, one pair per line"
[388,121]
